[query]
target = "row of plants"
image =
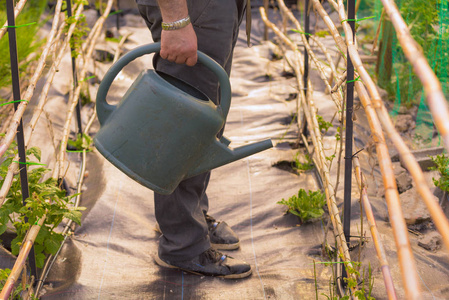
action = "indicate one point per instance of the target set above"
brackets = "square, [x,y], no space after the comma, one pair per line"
[46,198]
[48,201]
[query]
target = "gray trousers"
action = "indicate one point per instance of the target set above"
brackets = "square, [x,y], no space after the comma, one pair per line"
[181,214]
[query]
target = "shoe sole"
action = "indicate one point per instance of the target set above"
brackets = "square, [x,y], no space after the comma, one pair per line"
[225,246]
[215,246]
[162,263]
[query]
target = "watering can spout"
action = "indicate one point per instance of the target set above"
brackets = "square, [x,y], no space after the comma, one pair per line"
[219,154]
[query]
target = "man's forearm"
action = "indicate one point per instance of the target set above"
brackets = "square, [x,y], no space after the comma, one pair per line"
[173,10]
[179,45]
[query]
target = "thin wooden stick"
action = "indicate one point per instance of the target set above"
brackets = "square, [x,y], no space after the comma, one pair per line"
[310,114]
[412,166]
[13,167]
[337,98]
[376,38]
[405,255]
[58,170]
[378,245]
[378,138]
[432,87]
[21,259]
[341,45]
[340,81]
[326,53]
[17,11]
[119,46]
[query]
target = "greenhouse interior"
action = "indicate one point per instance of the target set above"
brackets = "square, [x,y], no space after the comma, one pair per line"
[330,171]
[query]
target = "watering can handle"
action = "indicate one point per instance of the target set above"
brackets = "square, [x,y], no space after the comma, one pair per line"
[104,109]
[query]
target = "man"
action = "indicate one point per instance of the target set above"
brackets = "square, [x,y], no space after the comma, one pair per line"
[189,235]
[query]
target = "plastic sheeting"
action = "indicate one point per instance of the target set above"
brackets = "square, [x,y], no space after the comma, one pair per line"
[111,255]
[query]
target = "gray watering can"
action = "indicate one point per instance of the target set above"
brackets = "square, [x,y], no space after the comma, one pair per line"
[164,130]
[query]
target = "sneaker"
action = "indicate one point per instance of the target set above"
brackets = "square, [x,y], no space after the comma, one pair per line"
[210,263]
[222,237]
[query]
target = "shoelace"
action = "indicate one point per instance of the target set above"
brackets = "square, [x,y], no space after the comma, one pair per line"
[212,256]
[211,222]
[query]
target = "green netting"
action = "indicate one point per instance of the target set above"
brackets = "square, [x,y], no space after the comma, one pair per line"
[428,21]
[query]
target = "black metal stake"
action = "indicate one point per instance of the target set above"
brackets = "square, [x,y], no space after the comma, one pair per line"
[306,58]
[75,78]
[306,55]
[16,94]
[117,20]
[348,137]
[349,131]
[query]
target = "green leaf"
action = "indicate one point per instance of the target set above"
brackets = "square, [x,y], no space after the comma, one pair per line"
[40,260]
[15,245]
[74,215]
[4,215]
[38,248]
[35,151]
[3,228]
[52,246]
[42,235]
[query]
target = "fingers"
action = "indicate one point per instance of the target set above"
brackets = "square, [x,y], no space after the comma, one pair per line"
[181,59]
[191,61]
[179,46]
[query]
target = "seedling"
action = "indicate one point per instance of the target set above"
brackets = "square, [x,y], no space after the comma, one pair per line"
[323,125]
[306,206]
[82,142]
[303,166]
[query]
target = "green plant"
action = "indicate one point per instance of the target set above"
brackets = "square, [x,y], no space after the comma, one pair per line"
[363,289]
[82,142]
[46,198]
[322,33]
[27,39]
[303,166]
[4,273]
[113,39]
[442,166]
[323,125]
[81,29]
[306,206]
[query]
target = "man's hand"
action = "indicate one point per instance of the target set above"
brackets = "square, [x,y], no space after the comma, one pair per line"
[179,45]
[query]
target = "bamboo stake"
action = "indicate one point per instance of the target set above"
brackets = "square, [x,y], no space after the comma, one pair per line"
[21,259]
[391,192]
[432,87]
[58,171]
[13,167]
[405,255]
[376,38]
[334,73]
[341,45]
[12,130]
[378,245]
[17,11]
[316,139]
[340,82]
[336,97]
[119,46]
[412,166]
